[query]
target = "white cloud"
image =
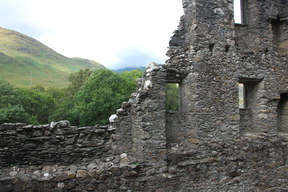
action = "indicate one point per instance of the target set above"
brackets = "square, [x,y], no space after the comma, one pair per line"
[100,29]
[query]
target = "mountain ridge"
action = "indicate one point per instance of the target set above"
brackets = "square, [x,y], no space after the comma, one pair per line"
[25,61]
[141,68]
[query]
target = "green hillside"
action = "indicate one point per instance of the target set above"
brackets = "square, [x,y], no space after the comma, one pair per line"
[24,60]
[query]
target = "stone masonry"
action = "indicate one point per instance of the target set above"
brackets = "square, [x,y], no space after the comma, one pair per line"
[23,144]
[210,143]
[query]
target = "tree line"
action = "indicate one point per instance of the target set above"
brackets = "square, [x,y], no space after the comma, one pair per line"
[90,99]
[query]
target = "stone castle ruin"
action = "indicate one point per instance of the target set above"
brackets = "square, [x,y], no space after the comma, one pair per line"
[229,132]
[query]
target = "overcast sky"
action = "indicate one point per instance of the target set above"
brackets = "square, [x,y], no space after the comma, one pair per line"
[116,33]
[237,11]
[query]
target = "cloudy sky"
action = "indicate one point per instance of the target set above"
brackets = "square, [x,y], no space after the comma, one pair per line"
[237,11]
[116,33]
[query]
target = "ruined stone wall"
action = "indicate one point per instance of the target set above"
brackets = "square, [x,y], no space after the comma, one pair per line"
[204,48]
[216,56]
[140,127]
[261,65]
[256,163]
[209,144]
[59,142]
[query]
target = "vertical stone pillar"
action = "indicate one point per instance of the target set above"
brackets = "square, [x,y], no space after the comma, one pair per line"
[140,127]
[148,119]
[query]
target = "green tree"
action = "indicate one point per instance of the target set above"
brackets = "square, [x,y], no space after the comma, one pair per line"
[62,100]
[129,78]
[99,97]
[65,98]
[77,80]
[38,103]
[58,94]
[172,98]
[11,109]
[90,99]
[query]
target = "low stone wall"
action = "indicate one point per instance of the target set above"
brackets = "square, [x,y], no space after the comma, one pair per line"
[98,175]
[23,144]
[247,163]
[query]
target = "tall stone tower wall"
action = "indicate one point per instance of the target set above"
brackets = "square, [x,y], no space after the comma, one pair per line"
[210,58]
[216,55]
[204,49]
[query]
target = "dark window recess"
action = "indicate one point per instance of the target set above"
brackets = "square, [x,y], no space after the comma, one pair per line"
[227,47]
[211,47]
[249,99]
[247,92]
[172,99]
[284,2]
[283,113]
[276,26]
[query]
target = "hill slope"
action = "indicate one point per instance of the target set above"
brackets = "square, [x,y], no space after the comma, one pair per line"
[24,60]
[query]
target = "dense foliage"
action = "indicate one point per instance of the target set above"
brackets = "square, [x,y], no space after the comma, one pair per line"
[172,97]
[11,108]
[90,99]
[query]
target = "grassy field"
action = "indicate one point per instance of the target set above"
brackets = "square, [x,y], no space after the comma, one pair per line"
[25,61]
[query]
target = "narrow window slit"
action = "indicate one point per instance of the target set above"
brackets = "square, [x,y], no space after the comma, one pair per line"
[211,47]
[276,24]
[227,47]
[242,98]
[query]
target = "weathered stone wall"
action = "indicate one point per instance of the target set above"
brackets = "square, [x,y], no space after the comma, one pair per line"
[209,144]
[203,47]
[23,144]
[140,128]
[254,163]
[215,55]
[258,58]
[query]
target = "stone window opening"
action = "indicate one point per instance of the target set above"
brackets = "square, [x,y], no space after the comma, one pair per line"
[280,37]
[249,99]
[240,12]
[172,97]
[247,91]
[282,113]
[227,48]
[276,25]
[211,47]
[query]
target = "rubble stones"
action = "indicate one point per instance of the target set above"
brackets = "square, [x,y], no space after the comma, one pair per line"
[113,118]
[81,174]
